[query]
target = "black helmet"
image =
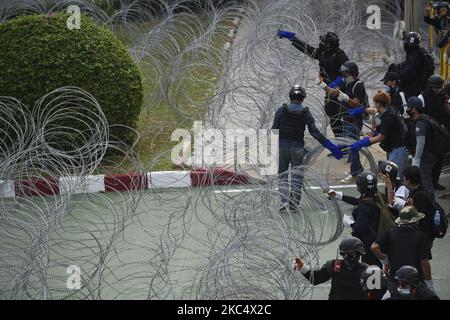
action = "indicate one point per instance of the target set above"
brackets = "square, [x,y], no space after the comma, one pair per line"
[297,92]
[370,272]
[411,40]
[330,38]
[350,67]
[409,275]
[435,81]
[388,167]
[366,182]
[351,245]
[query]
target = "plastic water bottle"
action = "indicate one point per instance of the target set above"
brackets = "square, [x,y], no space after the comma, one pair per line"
[437,218]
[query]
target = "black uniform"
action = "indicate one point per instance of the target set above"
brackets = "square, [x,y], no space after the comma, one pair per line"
[367,217]
[405,245]
[436,106]
[330,64]
[345,283]
[411,71]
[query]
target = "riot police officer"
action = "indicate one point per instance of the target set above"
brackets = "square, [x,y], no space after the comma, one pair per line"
[417,67]
[330,58]
[436,106]
[366,215]
[291,121]
[345,274]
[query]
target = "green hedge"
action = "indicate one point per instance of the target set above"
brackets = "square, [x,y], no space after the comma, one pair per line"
[39,54]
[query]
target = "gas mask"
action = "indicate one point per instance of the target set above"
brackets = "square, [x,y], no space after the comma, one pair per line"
[322,46]
[350,259]
[406,47]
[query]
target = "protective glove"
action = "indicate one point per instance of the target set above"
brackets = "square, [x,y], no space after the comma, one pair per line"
[343,97]
[360,144]
[339,81]
[430,285]
[347,220]
[286,34]
[335,150]
[356,111]
[300,266]
[375,133]
[335,194]
[416,162]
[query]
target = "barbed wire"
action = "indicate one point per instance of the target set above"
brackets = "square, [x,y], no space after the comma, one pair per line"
[221,241]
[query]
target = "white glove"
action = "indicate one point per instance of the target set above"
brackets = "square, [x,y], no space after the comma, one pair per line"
[430,285]
[304,269]
[336,194]
[416,162]
[321,83]
[343,97]
[347,220]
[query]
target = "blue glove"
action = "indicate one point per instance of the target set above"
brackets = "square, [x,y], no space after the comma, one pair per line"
[286,34]
[335,150]
[375,133]
[353,112]
[339,81]
[359,144]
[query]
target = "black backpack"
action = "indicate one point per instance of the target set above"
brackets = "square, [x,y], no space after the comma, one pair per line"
[440,139]
[441,229]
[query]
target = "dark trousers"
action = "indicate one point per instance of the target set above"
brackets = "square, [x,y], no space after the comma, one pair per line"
[427,164]
[290,192]
[352,130]
[437,170]
[334,111]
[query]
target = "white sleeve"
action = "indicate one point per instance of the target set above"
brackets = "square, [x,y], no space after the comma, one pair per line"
[402,192]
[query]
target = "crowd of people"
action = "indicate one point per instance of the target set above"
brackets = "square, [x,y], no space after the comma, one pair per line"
[389,253]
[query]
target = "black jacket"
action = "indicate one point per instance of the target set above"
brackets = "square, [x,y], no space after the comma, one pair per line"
[329,62]
[413,80]
[436,107]
[367,216]
[345,284]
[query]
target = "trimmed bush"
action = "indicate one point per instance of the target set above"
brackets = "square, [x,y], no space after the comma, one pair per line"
[39,54]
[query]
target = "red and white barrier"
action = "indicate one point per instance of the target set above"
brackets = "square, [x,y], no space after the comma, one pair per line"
[120,182]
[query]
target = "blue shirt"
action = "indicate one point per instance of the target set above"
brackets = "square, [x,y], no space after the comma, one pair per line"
[293,107]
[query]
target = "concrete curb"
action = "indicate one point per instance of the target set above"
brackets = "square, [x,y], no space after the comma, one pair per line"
[199,177]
